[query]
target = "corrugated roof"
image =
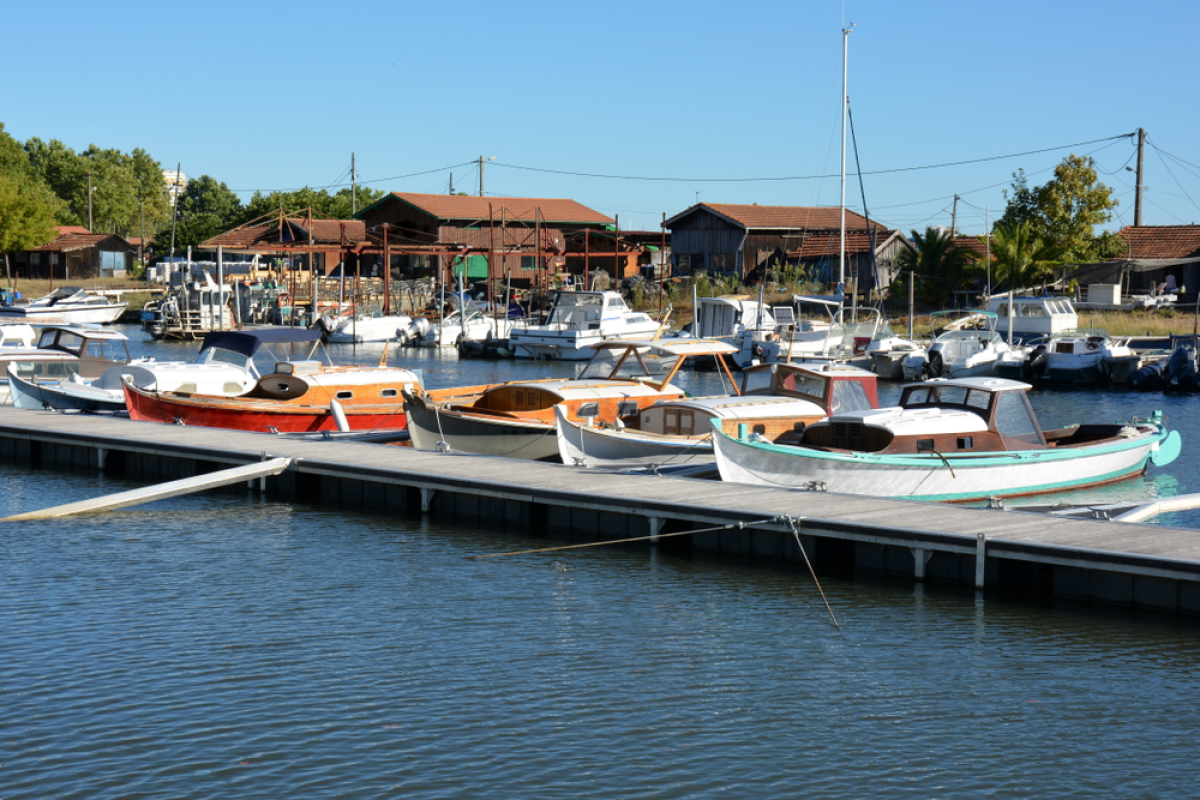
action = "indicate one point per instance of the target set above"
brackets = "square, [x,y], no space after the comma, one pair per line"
[824,244]
[1161,241]
[324,231]
[813,218]
[459,207]
[73,240]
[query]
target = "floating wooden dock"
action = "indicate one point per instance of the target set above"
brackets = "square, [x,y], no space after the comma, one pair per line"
[1150,566]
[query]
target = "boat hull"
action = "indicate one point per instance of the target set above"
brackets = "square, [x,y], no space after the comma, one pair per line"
[930,476]
[63,396]
[258,415]
[609,447]
[92,314]
[435,429]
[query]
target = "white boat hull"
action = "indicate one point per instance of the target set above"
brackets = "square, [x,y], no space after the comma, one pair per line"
[929,476]
[369,329]
[65,315]
[585,446]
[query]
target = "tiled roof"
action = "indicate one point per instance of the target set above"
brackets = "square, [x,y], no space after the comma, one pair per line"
[975,244]
[820,245]
[459,207]
[265,235]
[813,218]
[1162,241]
[71,229]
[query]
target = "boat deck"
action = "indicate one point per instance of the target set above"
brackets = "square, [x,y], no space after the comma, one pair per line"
[1144,565]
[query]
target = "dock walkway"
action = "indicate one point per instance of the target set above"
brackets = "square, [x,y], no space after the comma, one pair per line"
[1150,566]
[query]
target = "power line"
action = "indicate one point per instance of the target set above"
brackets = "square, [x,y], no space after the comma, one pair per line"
[804,177]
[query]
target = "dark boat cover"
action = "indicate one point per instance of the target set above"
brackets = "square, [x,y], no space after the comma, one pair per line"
[247,340]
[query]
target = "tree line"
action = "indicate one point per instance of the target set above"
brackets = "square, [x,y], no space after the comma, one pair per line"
[46,184]
[1042,229]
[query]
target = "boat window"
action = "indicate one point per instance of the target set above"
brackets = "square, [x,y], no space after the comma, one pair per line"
[953,395]
[804,383]
[966,442]
[70,341]
[978,400]
[849,396]
[345,394]
[1014,418]
[588,410]
[1002,310]
[388,393]
[1032,310]
[756,380]
[918,397]
[96,350]
[615,302]
[627,408]
[924,444]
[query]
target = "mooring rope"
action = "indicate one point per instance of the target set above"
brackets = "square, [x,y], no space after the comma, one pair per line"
[792,522]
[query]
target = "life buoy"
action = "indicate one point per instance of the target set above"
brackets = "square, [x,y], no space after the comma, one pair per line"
[283,300]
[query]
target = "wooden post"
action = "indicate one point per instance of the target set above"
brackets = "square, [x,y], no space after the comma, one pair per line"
[491,256]
[586,256]
[387,270]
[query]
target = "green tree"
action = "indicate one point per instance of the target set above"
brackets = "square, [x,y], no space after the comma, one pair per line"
[206,208]
[1065,211]
[65,173]
[335,206]
[26,217]
[1021,258]
[941,267]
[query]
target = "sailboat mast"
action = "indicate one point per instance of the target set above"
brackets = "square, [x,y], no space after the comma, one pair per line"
[845,104]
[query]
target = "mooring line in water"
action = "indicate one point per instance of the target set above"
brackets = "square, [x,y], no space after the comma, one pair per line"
[790,521]
[623,541]
[794,522]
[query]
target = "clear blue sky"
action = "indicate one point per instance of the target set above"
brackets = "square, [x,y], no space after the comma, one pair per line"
[277,96]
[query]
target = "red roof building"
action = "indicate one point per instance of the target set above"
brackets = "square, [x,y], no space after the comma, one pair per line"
[76,253]
[740,239]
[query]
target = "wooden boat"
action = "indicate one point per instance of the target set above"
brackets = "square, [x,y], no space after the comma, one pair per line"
[224,366]
[63,352]
[964,439]
[776,401]
[298,396]
[516,418]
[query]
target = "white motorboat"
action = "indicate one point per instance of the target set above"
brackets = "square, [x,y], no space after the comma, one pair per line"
[356,328]
[452,331]
[888,351]
[949,440]
[67,305]
[1080,357]
[846,341]
[61,353]
[578,321]
[965,344]
[777,401]
[1032,317]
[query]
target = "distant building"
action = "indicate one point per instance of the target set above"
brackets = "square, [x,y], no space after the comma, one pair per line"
[176,183]
[76,253]
[522,239]
[727,239]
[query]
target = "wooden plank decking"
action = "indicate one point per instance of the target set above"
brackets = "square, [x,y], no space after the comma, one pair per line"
[1150,554]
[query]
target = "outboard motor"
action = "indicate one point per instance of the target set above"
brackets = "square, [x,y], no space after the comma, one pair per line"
[1148,378]
[325,325]
[933,366]
[1035,364]
[1180,371]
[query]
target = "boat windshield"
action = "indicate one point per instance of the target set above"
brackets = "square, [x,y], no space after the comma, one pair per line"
[1014,418]
[976,400]
[849,396]
[632,363]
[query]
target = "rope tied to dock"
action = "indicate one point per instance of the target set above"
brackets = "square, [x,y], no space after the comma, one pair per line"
[792,522]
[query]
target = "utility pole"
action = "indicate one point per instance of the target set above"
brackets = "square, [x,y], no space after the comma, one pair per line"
[451,183]
[174,215]
[987,239]
[90,198]
[353,188]
[1137,197]
[954,219]
[481,179]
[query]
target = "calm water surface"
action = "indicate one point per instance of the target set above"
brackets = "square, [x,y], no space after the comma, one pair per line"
[229,646]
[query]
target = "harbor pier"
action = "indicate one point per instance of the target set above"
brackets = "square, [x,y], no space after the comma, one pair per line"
[1146,566]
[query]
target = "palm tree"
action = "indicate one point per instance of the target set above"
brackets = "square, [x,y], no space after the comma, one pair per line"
[1021,258]
[941,266]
